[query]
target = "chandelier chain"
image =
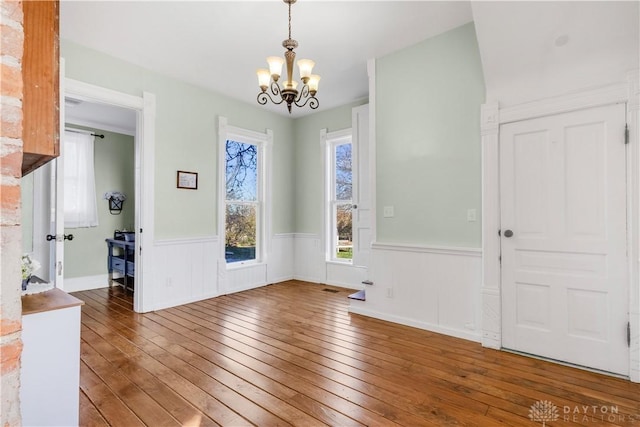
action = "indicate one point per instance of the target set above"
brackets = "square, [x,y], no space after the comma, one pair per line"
[289,21]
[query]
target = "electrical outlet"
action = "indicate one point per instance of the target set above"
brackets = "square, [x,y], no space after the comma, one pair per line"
[471,215]
[387,212]
[389,292]
[169,282]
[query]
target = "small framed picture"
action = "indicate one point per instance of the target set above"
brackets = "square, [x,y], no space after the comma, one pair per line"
[188,180]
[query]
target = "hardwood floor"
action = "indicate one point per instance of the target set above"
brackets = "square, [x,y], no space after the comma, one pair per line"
[291,354]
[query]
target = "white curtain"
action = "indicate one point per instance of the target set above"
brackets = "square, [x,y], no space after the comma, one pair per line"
[80,203]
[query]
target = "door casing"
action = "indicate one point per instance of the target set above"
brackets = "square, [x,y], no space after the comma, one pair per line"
[145,106]
[564,281]
[492,116]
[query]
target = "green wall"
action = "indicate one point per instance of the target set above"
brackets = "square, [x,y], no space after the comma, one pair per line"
[114,164]
[428,99]
[186,139]
[309,175]
[428,143]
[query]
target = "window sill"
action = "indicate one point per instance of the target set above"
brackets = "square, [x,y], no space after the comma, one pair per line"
[243,264]
[336,262]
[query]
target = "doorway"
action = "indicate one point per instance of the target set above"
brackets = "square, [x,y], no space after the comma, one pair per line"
[111,130]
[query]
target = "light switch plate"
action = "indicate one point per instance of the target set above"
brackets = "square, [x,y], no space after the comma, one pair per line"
[388,212]
[471,215]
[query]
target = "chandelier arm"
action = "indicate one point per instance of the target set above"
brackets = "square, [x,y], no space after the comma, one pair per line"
[311,100]
[264,97]
[275,89]
[304,92]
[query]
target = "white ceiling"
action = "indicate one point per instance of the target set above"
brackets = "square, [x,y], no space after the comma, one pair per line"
[100,116]
[533,50]
[218,45]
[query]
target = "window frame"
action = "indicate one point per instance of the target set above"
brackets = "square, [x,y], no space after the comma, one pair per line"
[263,141]
[331,140]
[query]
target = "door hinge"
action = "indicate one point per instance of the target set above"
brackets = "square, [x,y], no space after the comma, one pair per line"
[628,334]
[499,233]
[626,133]
[500,259]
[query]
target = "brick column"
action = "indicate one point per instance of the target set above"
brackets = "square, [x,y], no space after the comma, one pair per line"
[11,46]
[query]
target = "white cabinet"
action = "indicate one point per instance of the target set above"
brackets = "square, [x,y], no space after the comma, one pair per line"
[50,368]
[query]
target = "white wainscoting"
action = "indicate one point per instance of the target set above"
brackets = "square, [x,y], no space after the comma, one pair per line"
[188,270]
[240,278]
[310,265]
[185,271]
[309,259]
[345,275]
[281,258]
[433,288]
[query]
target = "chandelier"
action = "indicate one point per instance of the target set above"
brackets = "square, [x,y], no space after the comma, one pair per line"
[288,92]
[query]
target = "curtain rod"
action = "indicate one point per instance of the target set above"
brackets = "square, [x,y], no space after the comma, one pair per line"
[84,131]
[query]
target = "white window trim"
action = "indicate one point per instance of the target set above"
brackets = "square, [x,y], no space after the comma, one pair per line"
[328,140]
[264,142]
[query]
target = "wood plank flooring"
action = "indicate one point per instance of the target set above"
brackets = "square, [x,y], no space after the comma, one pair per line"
[291,354]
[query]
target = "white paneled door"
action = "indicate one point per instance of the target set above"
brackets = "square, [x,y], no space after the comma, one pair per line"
[563,214]
[361,187]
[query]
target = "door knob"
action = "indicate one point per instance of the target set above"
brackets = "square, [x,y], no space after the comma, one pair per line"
[51,237]
[508,233]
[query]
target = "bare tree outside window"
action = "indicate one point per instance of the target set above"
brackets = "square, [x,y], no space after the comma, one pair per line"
[343,207]
[241,177]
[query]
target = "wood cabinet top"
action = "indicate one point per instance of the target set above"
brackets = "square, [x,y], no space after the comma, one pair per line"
[55,299]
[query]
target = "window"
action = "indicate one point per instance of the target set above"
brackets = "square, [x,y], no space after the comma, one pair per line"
[340,192]
[80,204]
[243,193]
[242,207]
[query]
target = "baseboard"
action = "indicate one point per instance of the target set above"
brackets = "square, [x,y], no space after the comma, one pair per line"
[343,285]
[280,279]
[86,283]
[246,287]
[457,333]
[307,279]
[171,304]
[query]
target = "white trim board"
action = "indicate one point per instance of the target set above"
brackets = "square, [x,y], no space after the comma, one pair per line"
[186,240]
[448,250]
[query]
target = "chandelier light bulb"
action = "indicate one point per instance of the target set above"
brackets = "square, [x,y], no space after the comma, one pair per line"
[314,80]
[289,85]
[275,67]
[263,78]
[305,66]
